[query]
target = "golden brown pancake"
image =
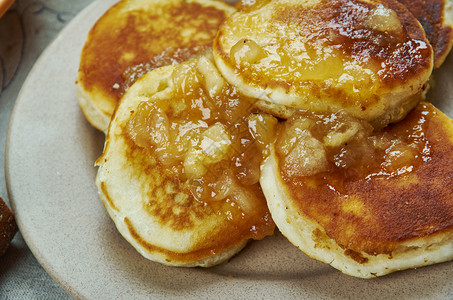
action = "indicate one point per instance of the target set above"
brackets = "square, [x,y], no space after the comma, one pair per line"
[180,169]
[366,203]
[370,58]
[436,17]
[134,37]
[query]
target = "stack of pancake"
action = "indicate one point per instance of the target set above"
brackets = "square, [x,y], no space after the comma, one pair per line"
[310,114]
[177,175]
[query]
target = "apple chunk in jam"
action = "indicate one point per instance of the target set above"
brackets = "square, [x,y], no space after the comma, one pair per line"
[197,129]
[317,145]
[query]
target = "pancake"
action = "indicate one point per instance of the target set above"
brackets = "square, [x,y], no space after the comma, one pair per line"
[369,58]
[436,17]
[134,37]
[179,174]
[367,203]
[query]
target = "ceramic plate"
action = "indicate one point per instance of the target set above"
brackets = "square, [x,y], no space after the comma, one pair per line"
[50,170]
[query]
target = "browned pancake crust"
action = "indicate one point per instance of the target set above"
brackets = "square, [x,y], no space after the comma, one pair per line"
[359,42]
[374,215]
[114,45]
[236,227]
[430,14]
[399,61]
[203,251]
[232,231]
[199,221]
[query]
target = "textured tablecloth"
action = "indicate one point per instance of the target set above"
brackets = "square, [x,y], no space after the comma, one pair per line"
[25,31]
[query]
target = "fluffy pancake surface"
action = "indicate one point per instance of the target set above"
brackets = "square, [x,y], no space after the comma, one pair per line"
[135,36]
[179,173]
[370,58]
[368,204]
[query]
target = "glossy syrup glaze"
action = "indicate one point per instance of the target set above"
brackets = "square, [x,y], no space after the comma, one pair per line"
[320,39]
[202,160]
[124,45]
[369,58]
[432,15]
[375,190]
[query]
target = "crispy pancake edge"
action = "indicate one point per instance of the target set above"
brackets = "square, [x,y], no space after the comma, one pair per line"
[191,247]
[311,238]
[306,235]
[388,109]
[436,18]
[97,101]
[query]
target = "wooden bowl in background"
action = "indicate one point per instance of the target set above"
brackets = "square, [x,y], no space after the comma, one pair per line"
[4,5]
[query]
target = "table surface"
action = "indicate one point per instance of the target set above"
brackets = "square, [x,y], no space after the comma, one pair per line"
[25,31]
